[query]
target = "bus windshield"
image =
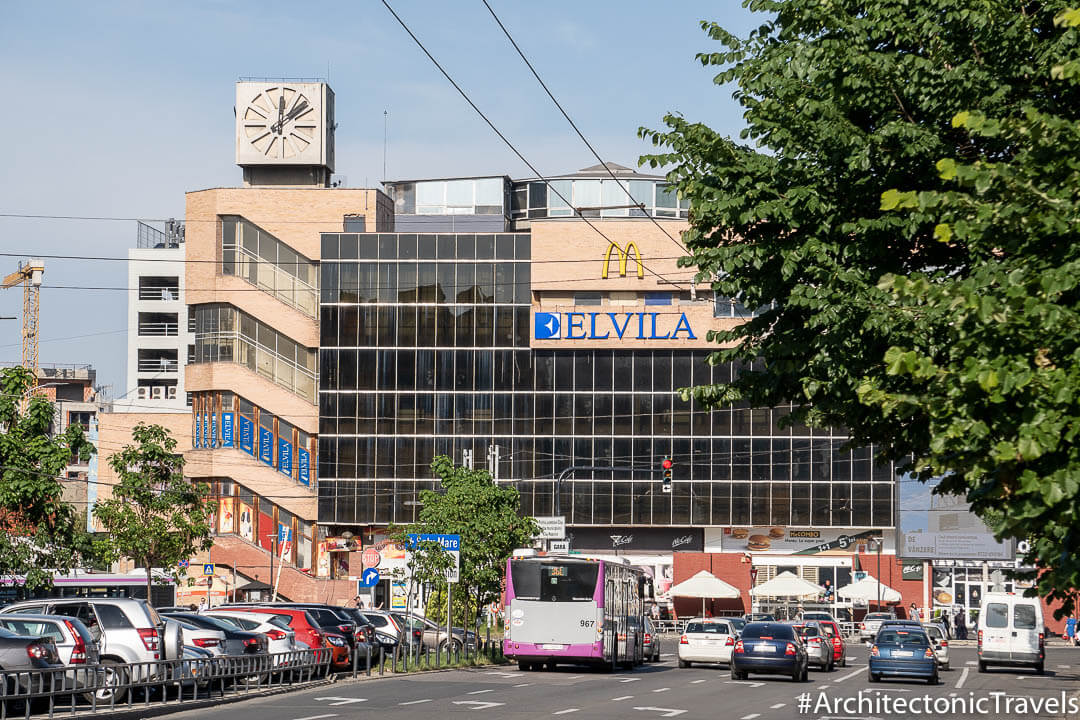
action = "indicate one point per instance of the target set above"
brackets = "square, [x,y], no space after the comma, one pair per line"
[549,582]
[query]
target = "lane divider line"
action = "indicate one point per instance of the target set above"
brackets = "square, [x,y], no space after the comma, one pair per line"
[661,689]
[317,717]
[850,675]
[751,716]
[523,685]
[962,678]
[479,692]
[566,711]
[621,697]
[414,702]
[777,706]
[695,682]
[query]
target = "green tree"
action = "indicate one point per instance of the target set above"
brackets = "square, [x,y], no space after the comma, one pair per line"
[39,528]
[155,515]
[902,205]
[485,514]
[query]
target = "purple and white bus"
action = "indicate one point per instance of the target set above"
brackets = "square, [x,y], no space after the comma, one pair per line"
[573,610]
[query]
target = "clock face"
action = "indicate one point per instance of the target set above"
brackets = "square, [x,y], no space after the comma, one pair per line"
[280,122]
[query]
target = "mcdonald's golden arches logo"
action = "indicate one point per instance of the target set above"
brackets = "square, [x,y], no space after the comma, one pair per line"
[623,256]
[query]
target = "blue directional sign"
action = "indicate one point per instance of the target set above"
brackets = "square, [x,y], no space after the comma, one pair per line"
[449,543]
[370,578]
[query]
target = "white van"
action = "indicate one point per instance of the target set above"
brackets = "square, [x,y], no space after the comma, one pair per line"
[1011,631]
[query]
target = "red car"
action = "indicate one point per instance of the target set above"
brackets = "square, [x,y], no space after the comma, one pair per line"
[837,639]
[340,645]
[306,629]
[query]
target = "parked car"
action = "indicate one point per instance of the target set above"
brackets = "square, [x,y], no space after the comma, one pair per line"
[737,623]
[434,635]
[769,647]
[387,630]
[940,639]
[870,624]
[651,642]
[339,644]
[1011,632]
[306,629]
[26,652]
[281,638]
[818,647]
[126,630]
[836,638]
[818,615]
[210,640]
[708,640]
[74,644]
[902,651]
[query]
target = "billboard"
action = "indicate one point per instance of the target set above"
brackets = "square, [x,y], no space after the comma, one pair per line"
[942,527]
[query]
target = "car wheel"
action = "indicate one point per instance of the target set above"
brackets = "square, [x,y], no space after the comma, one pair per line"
[736,675]
[806,674]
[932,680]
[873,677]
[524,666]
[945,666]
[843,660]
[114,681]
[982,666]
[683,663]
[1039,669]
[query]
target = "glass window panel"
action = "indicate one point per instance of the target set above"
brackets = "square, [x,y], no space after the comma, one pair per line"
[614,193]
[431,193]
[587,193]
[407,279]
[368,246]
[537,195]
[504,282]
[485,247]
[489,191]
[557,206]
[425,247]
[459,193]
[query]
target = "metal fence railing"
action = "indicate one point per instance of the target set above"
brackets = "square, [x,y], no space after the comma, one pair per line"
[78,691]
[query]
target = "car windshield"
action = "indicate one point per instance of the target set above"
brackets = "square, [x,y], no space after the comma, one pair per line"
[708,628]
[808,631]
[738,623]
[902,637]
[34,627]
[768,631]
[934,632]
[879,616]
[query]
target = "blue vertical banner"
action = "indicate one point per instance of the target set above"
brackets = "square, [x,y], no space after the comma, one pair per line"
[213,430]
[227,430]
[303,459]
[206,431]
[197,441]
[247,435]
[266,446]
[284,457]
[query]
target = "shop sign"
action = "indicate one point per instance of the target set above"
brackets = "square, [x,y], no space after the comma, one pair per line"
[213,430]
[303,460]
[197,441]
[781,540]
[266,446]
[610,326]
[247,435]
[623,256]
[633,539]
[284,457]
[911,570]
[227,429]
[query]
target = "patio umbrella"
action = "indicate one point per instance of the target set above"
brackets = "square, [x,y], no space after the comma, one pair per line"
[704,585]
[867,589]
[787,584]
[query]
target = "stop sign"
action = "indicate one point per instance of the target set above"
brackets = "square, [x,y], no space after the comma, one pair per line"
[371,558]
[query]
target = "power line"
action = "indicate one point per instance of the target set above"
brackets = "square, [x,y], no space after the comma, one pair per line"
[502,137]
[576,129]
[435,219]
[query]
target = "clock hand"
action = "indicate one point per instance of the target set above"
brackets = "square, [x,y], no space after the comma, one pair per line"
[280,113]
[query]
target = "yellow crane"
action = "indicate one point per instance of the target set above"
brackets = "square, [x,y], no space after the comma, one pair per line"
[29,276]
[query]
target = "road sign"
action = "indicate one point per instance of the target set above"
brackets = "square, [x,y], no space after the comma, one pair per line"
[182,563]
[559,546]
[552,527]
[208,569]
[449,543]
[370,578]
[371,558]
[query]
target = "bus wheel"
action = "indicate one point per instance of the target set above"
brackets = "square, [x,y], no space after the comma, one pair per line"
[551,666]
[524,666]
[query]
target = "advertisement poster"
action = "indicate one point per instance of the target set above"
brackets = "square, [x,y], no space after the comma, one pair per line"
[942,527]
[266,446]
[781,540]
[303,459]
[247,435]
[322,568]
[247,525]
[197,440]
[213,430]
[225,514]
[206,431]
[399,596]
[227,430]
[193,589]
[284,457]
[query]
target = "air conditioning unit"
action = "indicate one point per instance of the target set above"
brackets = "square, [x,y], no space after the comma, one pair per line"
[172,392]
[157,392]
[143,393]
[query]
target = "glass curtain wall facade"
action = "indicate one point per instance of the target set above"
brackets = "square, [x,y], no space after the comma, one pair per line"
[425,351]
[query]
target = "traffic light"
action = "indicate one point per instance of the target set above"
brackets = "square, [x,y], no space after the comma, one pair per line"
[666,465]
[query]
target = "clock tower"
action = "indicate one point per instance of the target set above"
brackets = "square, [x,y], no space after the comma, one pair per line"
[285,132]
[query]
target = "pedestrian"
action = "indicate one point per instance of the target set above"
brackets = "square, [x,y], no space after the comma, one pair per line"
[203,604]
[946,620]
[1070,630]
[914,612]
[828,591]
[961,626]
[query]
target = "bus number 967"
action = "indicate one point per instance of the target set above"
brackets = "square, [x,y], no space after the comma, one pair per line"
[588,623]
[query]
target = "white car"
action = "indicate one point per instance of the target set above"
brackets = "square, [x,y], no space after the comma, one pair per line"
[872,623]
[1011,631]
[282,638]
[941,643]
[706,640]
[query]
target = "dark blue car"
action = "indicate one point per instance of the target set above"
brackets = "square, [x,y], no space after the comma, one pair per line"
[903,651]
[772,648]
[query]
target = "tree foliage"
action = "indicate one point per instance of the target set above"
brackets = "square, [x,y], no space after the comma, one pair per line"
[485,514]
[155,515]
[906,192]
[39,528]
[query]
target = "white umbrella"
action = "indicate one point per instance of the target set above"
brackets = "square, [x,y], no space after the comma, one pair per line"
[704,585]
[787,584]
[867,589]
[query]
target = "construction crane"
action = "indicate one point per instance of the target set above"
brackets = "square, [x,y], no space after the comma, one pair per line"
[29,276]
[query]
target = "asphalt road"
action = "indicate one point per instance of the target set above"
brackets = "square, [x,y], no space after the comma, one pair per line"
[663,690]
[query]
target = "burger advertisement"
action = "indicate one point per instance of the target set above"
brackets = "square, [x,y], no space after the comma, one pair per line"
[788,541]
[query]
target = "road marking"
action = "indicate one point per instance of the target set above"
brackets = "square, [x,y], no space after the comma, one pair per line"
[664,712]
[962,678]
[850,675]
[478,704]
[751,716]
[343,701]
[575,677]
[661,689]
[621,697]
[1064,667]
[523,685]
[479,692]
[823,687]
[414,702]
[695,682]
[971,662]
[629,679]
[777,706]
[565,712]
[317,717]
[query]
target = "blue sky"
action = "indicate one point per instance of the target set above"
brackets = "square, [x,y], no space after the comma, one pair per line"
[117,109]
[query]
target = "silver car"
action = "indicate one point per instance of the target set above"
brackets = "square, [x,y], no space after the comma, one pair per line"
[940,638]
[74,644]
[208,639]
[870,625]
[126,630]
[819,647]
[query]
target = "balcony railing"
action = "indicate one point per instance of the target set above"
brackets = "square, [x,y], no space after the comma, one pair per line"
[158,329]
[266,276]
[159,365]
[159,293]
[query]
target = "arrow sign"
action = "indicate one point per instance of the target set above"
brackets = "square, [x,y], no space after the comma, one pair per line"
[664,712]
[477,704]
[370,578]
[743,682]
[343,701]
